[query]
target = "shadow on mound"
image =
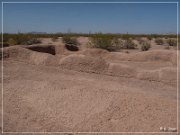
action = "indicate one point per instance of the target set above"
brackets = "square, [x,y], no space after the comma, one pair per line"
[71,47]
[44,49]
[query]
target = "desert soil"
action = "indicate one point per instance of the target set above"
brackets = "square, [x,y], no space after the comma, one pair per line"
[88,91]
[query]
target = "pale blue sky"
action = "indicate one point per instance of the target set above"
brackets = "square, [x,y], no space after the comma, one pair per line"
[111,18]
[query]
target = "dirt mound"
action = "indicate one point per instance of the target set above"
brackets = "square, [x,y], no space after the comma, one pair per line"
[149,75]
[16,52]
[166,75]
[95,52]
[92,64]
[154,56]
[148,56]
[84,63]
[42,59]
[26,55]
[115,69]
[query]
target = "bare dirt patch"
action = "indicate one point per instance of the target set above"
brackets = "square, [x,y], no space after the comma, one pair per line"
[89,90]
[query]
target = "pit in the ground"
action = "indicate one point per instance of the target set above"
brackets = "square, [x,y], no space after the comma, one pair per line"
[43,49]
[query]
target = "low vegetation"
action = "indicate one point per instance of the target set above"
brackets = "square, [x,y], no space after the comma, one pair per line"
[21,39]
[103,43]
[172,42]
[111,43]
[159,41]
[145,46]
[108,41]
[129,44]
[11,41]
[117,44]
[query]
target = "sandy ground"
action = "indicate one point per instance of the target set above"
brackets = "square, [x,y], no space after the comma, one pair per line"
[89,91]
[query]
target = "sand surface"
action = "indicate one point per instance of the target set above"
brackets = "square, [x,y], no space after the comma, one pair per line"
[89,91]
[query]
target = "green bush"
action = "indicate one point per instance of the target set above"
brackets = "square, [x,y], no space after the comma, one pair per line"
[102,42]
[11,41]
[67,40]
[117,44]
[145,46]
[129,44]
[23,39]
[32,41]
[159,41]
[172,42]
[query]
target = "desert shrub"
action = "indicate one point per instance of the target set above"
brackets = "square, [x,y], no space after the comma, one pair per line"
[117,44]
[70,43]
[106,42]
[32,41]
[22,39]
[70,40]
[172,42]
[145,46]
[102,42]
[159,41]
[129,44]
[11,41]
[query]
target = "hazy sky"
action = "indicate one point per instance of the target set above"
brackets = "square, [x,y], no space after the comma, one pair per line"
[112,18]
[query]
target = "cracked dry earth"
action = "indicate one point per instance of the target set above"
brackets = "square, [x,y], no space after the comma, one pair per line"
[54,98]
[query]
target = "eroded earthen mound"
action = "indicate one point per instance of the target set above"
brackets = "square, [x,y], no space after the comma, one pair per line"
[166,75]
[42,59]
[15,52]
[148,56]
[116,69]
[84,63]
[95,52]
[98,61]
[25,55]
